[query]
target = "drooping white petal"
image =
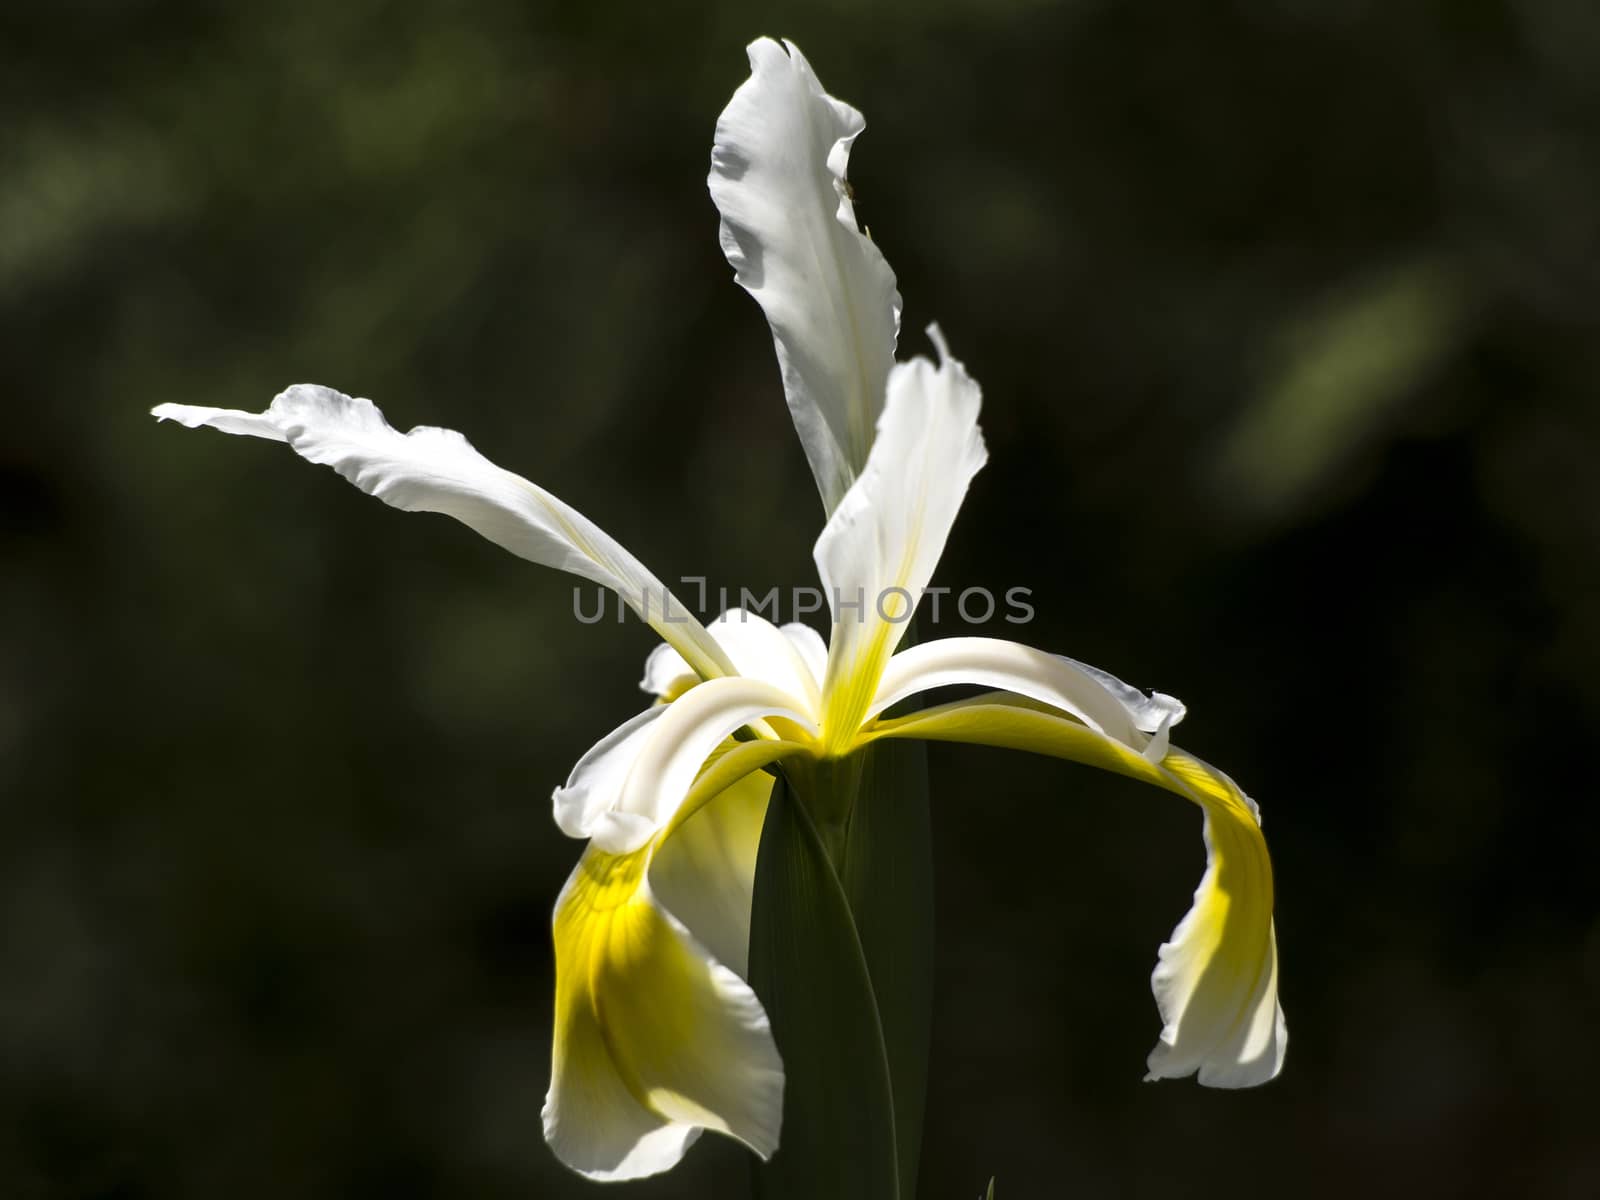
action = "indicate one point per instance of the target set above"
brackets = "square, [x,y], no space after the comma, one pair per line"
[594,1124]
[657,1035]
[1150,713]
[678,745]
[880,547]
[789,230]
[1100,700]
[589,805]
[704,873]
[632,782]
[437,470]
[1216,981]
[655,1039]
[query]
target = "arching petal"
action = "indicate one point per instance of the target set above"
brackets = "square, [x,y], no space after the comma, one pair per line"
[704,871]
[1216,980]
[691,728]
[655,1039]
[1098,699]
[589,804]
[789,231]
[672,757]
[881,545]
[437,470]
[1150,713]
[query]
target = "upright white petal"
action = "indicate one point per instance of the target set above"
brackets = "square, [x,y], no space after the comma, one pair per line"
[758,649]
[879,549]
[789,230]
[437,470]
[813,650]
[787,658]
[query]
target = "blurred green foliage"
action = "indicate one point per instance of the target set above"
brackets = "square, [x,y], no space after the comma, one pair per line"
[1288,318]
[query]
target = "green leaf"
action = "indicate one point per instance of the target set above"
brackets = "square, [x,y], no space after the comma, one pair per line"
[887,873]
[808,968]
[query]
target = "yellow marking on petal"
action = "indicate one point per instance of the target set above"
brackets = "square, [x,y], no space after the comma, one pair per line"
[1014,723]
[789,731]
[677,687]
[610,938]
[852,683]
[1216,982]
[635,1001]
[640,1005]
[704,872]
[731,762]
[1217,978]
[849,690]
[602,887]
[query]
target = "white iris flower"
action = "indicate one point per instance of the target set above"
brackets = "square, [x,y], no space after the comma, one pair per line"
[658,1036]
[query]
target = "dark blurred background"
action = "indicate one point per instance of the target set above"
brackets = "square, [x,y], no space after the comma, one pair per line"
[1288,318]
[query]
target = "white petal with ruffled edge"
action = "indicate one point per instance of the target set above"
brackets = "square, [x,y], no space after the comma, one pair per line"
[1150,713]
[437,470]
[789,230]
[1216,979]
[881,545]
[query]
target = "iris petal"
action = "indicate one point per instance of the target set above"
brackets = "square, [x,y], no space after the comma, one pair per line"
[1101,701]
[881,545]
[789,231]
[655,1039]
[437,470]
[789,658]
[1216,979]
